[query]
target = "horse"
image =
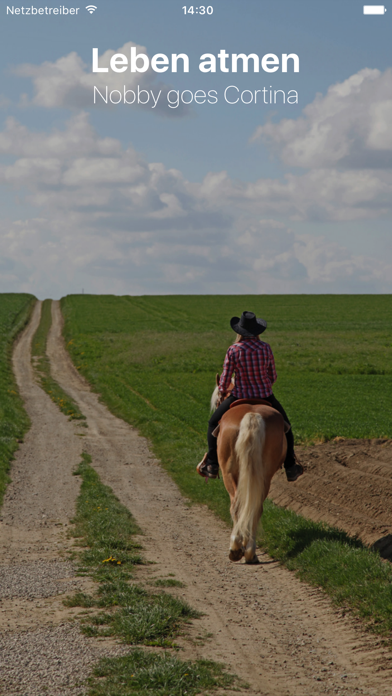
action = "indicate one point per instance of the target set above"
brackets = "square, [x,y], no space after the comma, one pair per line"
[251,448]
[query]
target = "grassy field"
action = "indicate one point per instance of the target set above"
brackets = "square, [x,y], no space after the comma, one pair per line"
[333,355]
[154,360]
[15,310]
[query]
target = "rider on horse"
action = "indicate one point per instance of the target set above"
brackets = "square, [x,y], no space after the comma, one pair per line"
[253,363]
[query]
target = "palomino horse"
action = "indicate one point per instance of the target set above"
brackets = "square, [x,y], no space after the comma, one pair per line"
[251,448]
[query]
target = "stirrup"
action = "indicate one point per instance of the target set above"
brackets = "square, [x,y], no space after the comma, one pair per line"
[294,472]
[207,470]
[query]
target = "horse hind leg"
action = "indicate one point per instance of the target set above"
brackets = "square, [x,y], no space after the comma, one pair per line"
[240,547]
[250,545]
[250,552]
[236,540]
[236,548]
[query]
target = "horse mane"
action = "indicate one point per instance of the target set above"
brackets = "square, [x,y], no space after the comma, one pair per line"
[215,397]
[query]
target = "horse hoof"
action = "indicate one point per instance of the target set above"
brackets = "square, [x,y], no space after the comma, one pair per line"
[236,554]
[253,561]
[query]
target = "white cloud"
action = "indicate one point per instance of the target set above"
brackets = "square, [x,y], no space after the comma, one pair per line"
[281,261]
[109,221]
[76,140]
[53,256]
[327,194]
[317,195]
[74,170]
[344,141]
[347,128]
[68,82]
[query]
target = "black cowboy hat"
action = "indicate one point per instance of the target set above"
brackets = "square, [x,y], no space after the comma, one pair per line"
[248,325]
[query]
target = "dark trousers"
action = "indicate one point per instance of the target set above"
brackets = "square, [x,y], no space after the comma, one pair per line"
[225,405]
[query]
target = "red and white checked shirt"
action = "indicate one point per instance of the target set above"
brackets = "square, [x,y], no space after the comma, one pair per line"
[253,363]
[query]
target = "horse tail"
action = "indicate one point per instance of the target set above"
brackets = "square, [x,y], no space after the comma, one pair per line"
[250,492]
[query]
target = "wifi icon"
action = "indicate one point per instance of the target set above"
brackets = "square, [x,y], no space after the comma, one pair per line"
[91,8]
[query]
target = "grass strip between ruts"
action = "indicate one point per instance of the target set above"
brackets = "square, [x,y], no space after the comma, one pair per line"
[149,674]
[161,383]
[42,366]
[15,312]
[106,529]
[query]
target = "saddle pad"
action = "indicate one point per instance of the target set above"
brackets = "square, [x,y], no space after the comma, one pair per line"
[240,402]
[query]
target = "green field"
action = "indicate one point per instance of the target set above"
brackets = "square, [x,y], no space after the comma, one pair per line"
[154,359]
[333,356]
[15,310]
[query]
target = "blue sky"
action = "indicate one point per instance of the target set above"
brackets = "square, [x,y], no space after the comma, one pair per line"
[213,198]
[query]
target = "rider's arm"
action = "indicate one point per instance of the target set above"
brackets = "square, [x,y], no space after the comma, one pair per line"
[228,369]
[271,367]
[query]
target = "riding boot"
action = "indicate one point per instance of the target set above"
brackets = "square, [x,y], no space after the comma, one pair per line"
[209,466]
[292,467]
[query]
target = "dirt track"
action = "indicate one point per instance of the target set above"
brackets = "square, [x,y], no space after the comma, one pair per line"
[272,630]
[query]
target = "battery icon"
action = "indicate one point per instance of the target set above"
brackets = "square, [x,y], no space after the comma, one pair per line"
[374,9]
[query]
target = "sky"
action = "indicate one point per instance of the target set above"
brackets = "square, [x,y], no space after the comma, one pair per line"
[205,188]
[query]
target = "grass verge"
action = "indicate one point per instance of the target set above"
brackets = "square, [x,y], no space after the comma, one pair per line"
[15,312]
[42,365]
[106,529]
[160,380]
[156,675]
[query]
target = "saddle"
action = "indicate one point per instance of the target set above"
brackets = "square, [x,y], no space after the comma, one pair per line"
[240,402]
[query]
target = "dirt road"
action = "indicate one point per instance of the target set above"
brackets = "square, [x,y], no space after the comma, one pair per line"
[273,631]
[41,652]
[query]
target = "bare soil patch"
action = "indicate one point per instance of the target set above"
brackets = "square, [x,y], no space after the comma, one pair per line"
[348,483]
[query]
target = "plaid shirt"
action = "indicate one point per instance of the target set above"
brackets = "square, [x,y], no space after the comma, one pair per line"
[253,363]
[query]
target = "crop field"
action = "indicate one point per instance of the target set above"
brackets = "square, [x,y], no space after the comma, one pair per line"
[333,356]
[15,310]
[154,361]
